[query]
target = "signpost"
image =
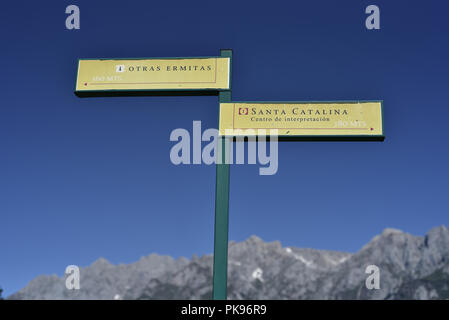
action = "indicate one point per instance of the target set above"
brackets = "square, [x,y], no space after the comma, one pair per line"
[206,75]
[329,121]
[333,120]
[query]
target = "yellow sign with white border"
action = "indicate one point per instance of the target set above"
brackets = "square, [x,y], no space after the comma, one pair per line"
[153,74]
[303,119]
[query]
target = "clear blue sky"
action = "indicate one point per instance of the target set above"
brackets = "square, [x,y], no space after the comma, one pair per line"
[87,178]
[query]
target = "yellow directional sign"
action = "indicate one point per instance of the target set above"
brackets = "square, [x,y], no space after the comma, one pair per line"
[302,120]
[170,74]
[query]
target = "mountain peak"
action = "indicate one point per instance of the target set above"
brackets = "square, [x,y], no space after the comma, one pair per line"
[437,237]
[386,235]
[441,230]
[254,239]
[390,231]
[101,262]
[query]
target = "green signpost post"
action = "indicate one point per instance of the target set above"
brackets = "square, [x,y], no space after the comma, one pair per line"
[221,218]
[330,121]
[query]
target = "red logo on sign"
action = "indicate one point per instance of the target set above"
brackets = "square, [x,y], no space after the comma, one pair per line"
[243,111]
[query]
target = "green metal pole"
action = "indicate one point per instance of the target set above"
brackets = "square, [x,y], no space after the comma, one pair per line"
[220,274]
[221,229]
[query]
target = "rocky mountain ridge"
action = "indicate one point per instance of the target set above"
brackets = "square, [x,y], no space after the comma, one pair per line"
[411,267]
